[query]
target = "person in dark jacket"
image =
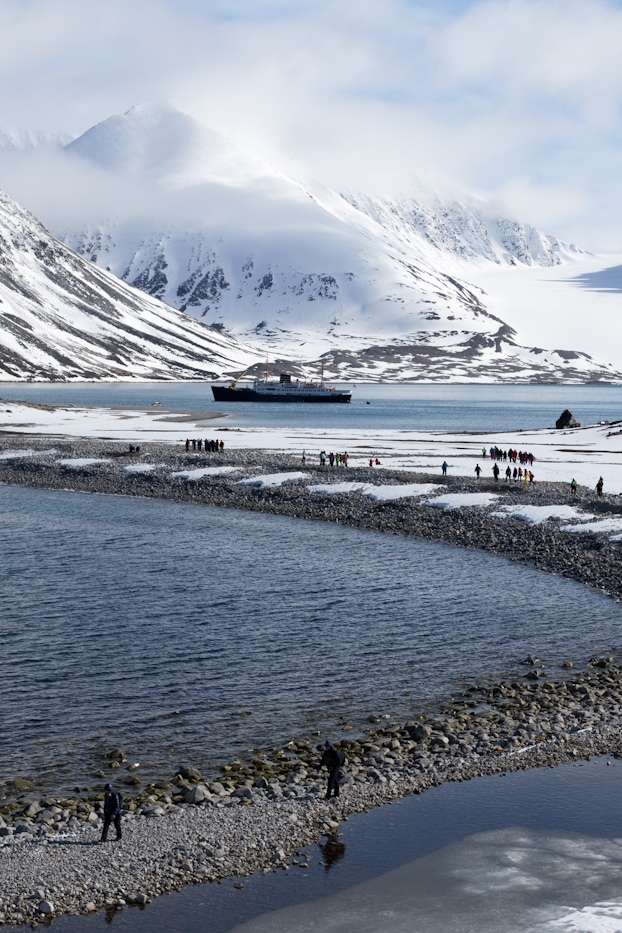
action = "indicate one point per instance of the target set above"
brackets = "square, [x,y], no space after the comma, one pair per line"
[112,811]
[332,759]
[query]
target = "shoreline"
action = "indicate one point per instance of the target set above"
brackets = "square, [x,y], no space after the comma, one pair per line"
[260,813]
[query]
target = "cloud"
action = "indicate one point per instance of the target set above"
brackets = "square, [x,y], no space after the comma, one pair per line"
[512,98]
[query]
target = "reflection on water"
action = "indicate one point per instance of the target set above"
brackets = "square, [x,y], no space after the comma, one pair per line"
[333,850]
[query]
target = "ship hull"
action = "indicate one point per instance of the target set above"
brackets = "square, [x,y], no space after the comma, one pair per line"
[227,394]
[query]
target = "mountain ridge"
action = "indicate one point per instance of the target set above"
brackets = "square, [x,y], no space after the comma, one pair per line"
[61,317]
[375,288]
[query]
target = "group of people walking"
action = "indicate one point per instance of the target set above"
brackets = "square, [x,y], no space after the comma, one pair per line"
[517,474]
[340,460]
[522,456]
[209,446]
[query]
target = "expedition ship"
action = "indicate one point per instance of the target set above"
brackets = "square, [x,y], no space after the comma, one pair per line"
[283,390]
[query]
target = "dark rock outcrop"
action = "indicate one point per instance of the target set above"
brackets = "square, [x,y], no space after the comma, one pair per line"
[566,420]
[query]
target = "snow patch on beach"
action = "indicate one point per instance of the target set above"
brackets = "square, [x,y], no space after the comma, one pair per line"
[76,462]
[338,488]
[206,471]
[272,479]
[143,467]
[19,454]
[386,493]
[536,514]
[604,526]
[460,500]
[379,493]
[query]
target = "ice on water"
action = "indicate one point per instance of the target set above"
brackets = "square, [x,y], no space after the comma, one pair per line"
[506,881]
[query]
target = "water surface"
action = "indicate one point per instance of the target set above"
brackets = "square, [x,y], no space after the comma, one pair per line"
[182,632]
[393,407]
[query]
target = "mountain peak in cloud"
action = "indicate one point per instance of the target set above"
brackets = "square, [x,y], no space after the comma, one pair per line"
[158,142]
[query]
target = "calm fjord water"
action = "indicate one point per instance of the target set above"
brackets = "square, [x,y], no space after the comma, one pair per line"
[186,633]
[393,407]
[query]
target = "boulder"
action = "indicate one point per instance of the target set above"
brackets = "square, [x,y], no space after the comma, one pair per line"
[189,773]
[566,420]
[197,794]
[419,732]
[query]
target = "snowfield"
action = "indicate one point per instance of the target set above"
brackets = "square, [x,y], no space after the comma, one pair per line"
[583,453]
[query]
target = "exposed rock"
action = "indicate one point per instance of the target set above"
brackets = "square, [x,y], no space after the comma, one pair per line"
[566,420]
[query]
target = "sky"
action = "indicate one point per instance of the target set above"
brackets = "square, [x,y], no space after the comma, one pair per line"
[519,100]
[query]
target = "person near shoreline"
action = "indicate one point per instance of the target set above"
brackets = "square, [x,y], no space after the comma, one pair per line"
[478,470]
[304,457]
[333,759]
[444,467]
[599,486]
[112,811]
[573,487]
[495,473]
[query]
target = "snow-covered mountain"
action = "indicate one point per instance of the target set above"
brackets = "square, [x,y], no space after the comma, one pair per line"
[376,287]
[62,318]
[20,139]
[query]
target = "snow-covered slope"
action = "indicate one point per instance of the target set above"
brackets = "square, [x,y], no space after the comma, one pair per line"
[378,288]
[20,139]
[63,318]
[465,228]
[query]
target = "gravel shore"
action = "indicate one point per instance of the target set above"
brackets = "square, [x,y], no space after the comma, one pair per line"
[260,814]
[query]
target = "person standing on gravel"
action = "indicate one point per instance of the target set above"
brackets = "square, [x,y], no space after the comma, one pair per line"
[599,486]
[333,759]
[495,472]
[112,811]
[444,467]
[478,470]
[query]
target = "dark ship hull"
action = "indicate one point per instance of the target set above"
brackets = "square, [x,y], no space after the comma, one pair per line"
[247,394]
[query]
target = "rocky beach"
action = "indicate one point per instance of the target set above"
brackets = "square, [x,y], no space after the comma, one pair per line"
[261,813]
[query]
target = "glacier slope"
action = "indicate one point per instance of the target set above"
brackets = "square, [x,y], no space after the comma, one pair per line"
[63,318]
